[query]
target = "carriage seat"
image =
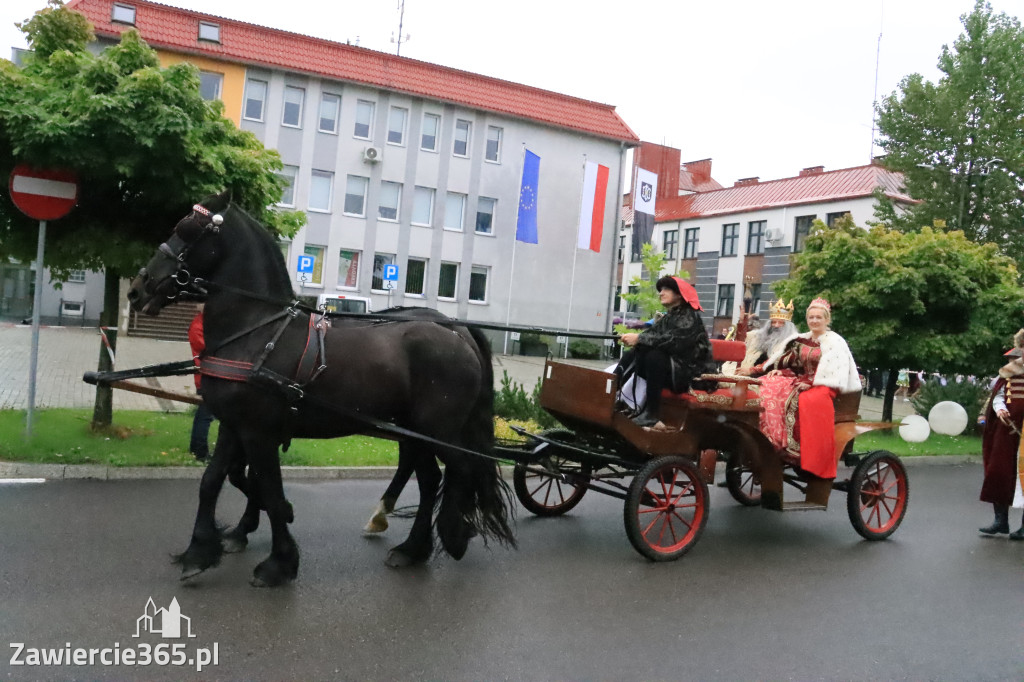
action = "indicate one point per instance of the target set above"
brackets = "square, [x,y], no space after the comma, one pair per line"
[721,351]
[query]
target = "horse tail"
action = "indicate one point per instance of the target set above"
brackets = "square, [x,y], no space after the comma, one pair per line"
[474,492]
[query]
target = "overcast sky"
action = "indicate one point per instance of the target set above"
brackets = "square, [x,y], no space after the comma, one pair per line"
[762,88]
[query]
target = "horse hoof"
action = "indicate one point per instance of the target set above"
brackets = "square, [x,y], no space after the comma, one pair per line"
[398,559]
[233,545]
[378,523]
[189,572]
[273,574]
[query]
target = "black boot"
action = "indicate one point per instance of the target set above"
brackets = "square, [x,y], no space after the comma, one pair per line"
[1001,524]
[646,418]
[1019,533]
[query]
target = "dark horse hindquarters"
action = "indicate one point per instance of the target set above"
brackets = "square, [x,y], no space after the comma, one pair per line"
[419,372]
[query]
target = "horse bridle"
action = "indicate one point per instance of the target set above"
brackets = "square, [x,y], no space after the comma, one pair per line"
[177,250]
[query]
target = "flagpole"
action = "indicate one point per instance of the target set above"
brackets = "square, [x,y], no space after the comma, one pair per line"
[515,240]
[575,253]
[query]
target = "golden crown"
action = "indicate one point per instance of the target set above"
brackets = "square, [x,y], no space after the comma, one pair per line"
[780,311]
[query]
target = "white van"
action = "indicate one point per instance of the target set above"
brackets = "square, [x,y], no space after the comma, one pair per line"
[338,303]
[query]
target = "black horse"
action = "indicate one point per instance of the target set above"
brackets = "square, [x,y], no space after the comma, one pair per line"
[273,372]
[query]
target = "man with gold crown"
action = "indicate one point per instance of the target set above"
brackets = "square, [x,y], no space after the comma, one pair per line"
[1001,441]
[762,343]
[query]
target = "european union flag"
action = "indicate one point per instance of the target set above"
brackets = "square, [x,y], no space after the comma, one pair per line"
[526,225]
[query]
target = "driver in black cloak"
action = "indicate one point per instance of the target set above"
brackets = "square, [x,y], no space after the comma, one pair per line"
[670,354]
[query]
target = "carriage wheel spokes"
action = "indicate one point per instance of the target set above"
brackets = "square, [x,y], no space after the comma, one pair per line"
[666,508]
[547,494]
[743,484]
[877,499]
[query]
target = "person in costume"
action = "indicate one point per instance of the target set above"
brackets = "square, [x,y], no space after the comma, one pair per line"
[199,442]
[1000,445]
[764,342]
[672,353]
[800,382]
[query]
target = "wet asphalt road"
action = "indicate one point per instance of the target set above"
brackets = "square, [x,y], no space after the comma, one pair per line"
[762,596]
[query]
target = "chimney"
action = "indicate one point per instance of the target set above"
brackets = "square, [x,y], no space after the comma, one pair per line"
[812,170]
[743,182]
[662,160]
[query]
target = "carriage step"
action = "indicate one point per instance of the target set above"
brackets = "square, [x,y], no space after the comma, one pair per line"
[801,505]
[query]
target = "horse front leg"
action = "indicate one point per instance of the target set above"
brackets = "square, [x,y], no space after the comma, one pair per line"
[237,539]
[205,549]
[378,522]
[420,543]
[265,469]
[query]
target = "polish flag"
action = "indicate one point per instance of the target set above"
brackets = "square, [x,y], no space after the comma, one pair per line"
[595,191]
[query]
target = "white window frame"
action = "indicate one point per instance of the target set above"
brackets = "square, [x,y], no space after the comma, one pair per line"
[455,288]
[249,83]
[418,193]
[494,209]
[405,124]
[448,212]
[361,106]
[395,187]
[318,260]
[209,31]
[220,84]
[359,264]
[348,185]
[324,98]
[76,277]
[315,176]
[497,151]
[476,270]
[122,13]
[456,140]
[388,259]
[437,131]
[284,107]
[426,272]
[290,173]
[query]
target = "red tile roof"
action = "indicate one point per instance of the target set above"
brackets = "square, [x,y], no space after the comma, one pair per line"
[176,30]
[846,183]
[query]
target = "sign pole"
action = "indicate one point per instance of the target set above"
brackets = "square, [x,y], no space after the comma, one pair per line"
[37,304]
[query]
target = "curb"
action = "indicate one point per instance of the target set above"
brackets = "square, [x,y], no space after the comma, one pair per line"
[69,472]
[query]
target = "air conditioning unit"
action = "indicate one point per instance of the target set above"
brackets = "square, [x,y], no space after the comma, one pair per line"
[371,154]
[773,235]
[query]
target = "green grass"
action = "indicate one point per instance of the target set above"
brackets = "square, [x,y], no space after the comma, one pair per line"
[934,445]
[139,439]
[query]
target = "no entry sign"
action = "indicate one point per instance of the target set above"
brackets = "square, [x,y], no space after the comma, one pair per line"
[43,194]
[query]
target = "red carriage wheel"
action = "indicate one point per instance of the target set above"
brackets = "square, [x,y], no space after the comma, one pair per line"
[742,483]
[546,494]
[877,499]
[666,508]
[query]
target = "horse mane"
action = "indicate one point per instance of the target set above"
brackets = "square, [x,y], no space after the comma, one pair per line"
[267,245]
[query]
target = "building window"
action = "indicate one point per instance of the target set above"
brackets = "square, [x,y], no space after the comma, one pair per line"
[255,96]
[447,285]
[478,284]
[755,298]
[462,129]
[428,138]
[755,237]
[320,191]
[632,307]
[423,206]
[348,268]
[831,218]
[493,144]
[485,215]
[454,211]
[288,174]
[669,243]
[330,107]
[396,125]
[355,195]
[317,252]
[726,296]
[730,238]
[208,31]
[379,261]
[622,247]
[390,198]
[76,277]
[123,14]
[416,276]
[292,106]
[691,237]
[364,120]
[210,83]
[803,228]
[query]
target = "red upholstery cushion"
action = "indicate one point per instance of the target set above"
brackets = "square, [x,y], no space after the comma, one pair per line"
[724,392]
[728,351]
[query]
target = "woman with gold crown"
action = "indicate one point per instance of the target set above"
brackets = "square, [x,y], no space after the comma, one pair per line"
[802,379]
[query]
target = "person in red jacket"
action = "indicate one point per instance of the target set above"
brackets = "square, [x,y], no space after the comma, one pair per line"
[199,444]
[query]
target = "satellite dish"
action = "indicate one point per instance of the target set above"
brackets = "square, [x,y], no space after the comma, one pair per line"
[948,418]
[914,429]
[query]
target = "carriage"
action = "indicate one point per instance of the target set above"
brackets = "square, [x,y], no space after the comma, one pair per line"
[662,475]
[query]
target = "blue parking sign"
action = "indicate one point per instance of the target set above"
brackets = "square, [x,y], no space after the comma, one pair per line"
[305,264]
[391,271]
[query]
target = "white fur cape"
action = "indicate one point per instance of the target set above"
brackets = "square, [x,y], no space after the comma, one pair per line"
[752,353]
[837,368]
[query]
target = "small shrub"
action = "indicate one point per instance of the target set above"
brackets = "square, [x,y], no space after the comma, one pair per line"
[584,349]
[969,394]
[513,403]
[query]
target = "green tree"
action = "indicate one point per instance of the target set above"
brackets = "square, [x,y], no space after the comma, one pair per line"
[959,142]
[145,146]
[927,300]
[643,290]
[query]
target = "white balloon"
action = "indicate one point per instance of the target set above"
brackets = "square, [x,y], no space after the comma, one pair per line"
[914,429]
[948,418]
